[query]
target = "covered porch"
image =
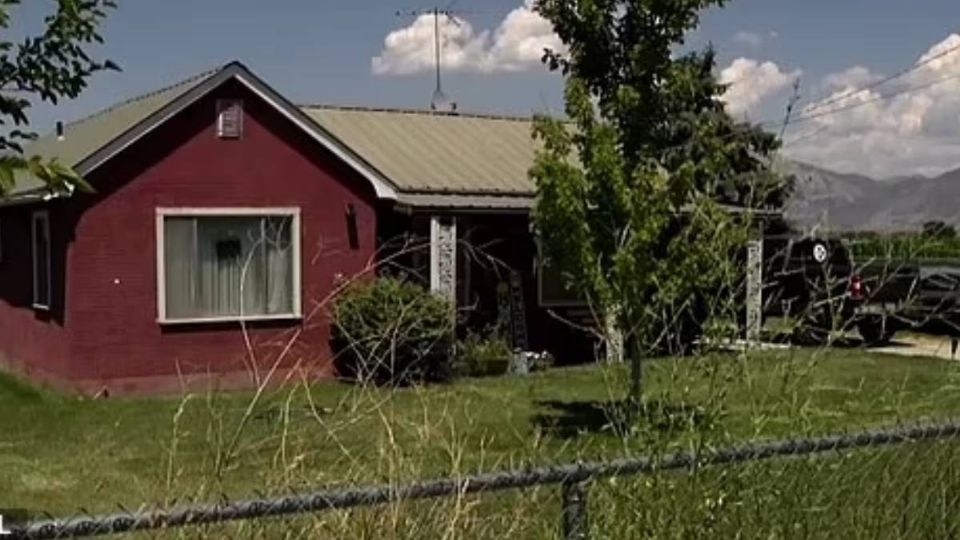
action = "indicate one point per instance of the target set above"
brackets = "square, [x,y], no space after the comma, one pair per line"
[486,263]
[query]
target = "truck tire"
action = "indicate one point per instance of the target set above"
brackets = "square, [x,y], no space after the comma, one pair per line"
[875,331]
[813,329]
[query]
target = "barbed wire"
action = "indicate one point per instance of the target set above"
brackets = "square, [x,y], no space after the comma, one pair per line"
[571,476]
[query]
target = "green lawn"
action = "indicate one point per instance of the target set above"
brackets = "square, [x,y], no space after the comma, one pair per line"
[60,454]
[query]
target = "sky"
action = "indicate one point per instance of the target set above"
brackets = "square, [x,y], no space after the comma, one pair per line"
[360,52]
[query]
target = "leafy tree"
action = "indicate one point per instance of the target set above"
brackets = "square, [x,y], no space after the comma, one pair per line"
[50,66]
[632,185]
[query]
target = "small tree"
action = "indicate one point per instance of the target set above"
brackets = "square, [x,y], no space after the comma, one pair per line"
[47,67]
[632,185]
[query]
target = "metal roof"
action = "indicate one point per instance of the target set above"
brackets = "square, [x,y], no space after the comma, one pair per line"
[429,157]
[420,159]
[438,153]
[89,142]
[86,136]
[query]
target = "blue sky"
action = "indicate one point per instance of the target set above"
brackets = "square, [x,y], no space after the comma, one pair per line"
[321,51]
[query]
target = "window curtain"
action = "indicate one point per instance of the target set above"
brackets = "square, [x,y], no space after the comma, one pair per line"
[228,266]
[179,267]
[279,263]
[231,272]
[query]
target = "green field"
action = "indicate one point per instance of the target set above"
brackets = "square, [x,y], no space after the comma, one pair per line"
[904,246]
[60,454]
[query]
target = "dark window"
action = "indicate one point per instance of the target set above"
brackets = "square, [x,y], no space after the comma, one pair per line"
[352,233]
[554,290]
[41,260]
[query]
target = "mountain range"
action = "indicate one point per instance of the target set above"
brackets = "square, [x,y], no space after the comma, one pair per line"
[841,201]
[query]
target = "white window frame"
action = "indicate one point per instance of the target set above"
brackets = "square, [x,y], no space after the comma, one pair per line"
[44,216]
[295,241]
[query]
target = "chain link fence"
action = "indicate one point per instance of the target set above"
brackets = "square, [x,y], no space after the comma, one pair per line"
[899,482]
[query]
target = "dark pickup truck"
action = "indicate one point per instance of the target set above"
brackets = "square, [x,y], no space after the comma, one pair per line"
[809,280]
[821,284]
[899,294]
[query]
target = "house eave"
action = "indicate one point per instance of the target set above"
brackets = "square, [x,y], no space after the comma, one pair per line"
[453,202]
[514,203]
[34,197]
[237,71]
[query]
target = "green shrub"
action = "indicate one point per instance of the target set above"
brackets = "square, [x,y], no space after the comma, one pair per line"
[391,331]
[482,357]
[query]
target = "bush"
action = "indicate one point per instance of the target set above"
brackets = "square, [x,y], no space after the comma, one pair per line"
[482,357]
[479,356]
[391,331]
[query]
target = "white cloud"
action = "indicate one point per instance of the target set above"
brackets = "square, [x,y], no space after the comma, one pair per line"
[751,82]
[750,39]
[754,40]
[517,44]
[903,127]
[850,79]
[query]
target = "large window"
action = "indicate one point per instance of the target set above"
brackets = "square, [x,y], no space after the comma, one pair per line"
[40,236]
[219,264]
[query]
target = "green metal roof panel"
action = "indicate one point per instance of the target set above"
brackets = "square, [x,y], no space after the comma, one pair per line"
[418,152]
[437,152]
[88,135]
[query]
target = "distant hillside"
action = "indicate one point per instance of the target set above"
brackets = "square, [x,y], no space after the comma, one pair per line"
[852,201]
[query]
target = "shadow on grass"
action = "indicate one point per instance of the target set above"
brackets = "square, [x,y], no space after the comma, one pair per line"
[17,390]
[846,342]
[16,516]
[570,419]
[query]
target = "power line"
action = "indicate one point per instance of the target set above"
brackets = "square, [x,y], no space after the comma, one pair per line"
[811,114]
[853,92]
[821,129]
[807,117]
[803,118]
[808,135]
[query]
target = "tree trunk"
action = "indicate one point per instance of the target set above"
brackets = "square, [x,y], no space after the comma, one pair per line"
[613,337]
[636,376]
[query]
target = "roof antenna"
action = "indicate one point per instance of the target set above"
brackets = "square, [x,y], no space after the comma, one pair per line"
[439,102]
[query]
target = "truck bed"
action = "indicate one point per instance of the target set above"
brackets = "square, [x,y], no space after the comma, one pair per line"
[917,292]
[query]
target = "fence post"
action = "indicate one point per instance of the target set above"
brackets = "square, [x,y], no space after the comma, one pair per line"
[575,510]
[754,291]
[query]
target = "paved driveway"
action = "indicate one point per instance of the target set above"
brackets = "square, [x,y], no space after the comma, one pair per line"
[921,345]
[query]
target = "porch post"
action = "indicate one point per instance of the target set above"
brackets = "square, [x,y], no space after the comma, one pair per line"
[443,257]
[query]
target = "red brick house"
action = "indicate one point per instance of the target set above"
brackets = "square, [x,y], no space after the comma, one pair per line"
[223,218]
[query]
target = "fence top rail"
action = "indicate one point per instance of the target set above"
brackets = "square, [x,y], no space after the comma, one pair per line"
[318,501]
